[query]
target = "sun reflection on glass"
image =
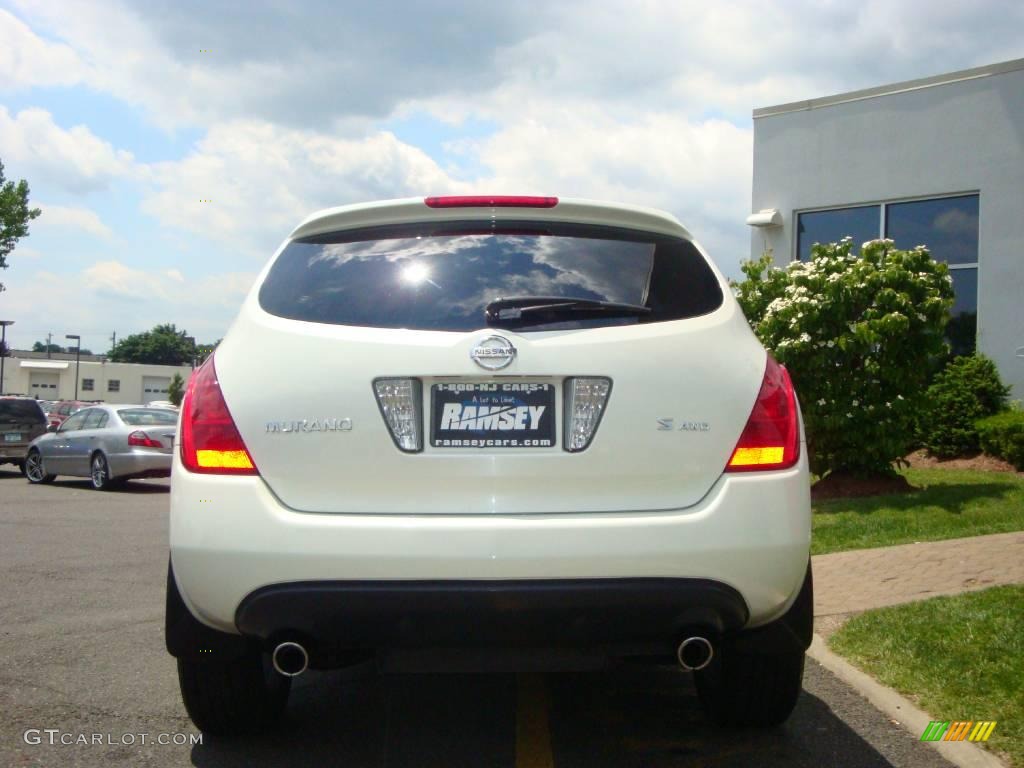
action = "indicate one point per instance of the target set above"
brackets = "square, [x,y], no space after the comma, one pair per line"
[416,274]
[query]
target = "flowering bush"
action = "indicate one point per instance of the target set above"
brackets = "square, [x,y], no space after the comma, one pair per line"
[857,334]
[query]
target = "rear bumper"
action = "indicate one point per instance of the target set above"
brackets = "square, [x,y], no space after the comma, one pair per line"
[231,537]
[548,613]
[338,622]
[139,464]
[13,453]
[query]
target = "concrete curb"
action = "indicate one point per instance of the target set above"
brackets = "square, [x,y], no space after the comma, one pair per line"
[961,753]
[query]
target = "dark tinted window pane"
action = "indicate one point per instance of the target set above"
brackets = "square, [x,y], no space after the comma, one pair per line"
[948,226]
[861,224]
[963,324]
[20,410]
[140,417]
[441,276]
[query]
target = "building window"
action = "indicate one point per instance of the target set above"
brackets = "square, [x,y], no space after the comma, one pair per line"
[861,223]
[87,385]
[114,385]
[948,226]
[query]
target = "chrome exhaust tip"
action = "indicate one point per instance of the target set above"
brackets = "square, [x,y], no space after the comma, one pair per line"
[290,659]
[695,653]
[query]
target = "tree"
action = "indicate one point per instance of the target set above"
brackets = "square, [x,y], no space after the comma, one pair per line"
[164,345]
[203,351]
[51,348]
[14,215]
[858,335]
[176,389]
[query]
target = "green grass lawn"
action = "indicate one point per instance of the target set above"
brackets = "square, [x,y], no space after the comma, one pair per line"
[959,658]
[951,503]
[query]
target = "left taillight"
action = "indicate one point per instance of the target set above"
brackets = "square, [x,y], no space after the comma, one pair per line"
[210,442]
[771,438]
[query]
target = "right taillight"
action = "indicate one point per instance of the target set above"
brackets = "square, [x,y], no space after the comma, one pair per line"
[141,439]
[771,438]
[210,442]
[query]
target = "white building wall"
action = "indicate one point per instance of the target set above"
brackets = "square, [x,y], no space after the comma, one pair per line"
[18,376]
[959,133]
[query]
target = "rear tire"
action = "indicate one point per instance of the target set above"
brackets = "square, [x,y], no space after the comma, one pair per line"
[35,469]
[234,696]
[742,688]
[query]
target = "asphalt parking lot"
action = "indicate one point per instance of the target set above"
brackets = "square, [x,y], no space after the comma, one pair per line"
[81,640]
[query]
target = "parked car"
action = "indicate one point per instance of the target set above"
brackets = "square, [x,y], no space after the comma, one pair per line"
[64,408]
[489,422]
[21,422]
[106,443]
[161,404]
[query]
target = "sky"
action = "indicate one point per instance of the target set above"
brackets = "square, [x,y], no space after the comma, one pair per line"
[172,145]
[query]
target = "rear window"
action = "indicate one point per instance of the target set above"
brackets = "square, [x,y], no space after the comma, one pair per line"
[148,417]
[21,410]
[440,277]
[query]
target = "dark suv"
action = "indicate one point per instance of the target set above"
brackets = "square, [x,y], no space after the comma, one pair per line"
[21,422]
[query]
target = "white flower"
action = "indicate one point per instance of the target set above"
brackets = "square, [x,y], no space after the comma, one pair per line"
[899,397]
[830,344]
[888,405]
[849,415]
[804,338]
[855,403]
[822,401]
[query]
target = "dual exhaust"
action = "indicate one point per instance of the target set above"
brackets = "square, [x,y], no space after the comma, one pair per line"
[291,659]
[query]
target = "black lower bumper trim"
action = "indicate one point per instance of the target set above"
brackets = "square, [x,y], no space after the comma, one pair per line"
[434,614]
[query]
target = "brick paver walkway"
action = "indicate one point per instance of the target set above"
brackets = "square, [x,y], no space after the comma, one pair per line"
[845,582]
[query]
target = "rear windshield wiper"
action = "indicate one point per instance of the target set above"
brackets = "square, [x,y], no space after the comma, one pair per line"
[524,307]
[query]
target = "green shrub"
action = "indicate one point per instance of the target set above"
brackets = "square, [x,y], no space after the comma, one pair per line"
[968,389]
[857,333]
[1002,435]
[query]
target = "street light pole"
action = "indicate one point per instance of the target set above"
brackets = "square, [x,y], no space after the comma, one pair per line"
[3,349]
[78,352]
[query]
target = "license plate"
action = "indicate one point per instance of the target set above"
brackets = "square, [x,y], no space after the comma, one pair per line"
[12,437]
[492,415]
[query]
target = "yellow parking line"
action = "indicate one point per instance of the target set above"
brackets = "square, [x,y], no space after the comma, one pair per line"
[533,737]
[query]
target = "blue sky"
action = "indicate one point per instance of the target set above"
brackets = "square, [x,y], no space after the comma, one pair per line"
[126,118]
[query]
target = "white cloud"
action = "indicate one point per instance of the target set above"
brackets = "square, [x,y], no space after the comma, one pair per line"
[111,295]
[27,60]
[74,159]
[70,217]
[261,180]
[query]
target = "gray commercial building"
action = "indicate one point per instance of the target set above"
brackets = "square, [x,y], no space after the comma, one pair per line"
[937,161]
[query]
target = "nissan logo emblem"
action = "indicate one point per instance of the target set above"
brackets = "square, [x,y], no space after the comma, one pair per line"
[493,353]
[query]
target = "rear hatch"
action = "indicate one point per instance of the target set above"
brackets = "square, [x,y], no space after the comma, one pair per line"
[535,366]
[154,428]
[21,422]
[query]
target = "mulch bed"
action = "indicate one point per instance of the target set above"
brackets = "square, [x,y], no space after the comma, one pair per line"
[843,486]
[981,461]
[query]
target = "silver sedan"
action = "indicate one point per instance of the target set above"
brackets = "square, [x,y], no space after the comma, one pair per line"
[106,443]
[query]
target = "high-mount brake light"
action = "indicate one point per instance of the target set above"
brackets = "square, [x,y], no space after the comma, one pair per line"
[771,438]
[210,442]
[490,201]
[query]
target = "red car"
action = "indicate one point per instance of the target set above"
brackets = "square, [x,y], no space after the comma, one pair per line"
[64,408]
